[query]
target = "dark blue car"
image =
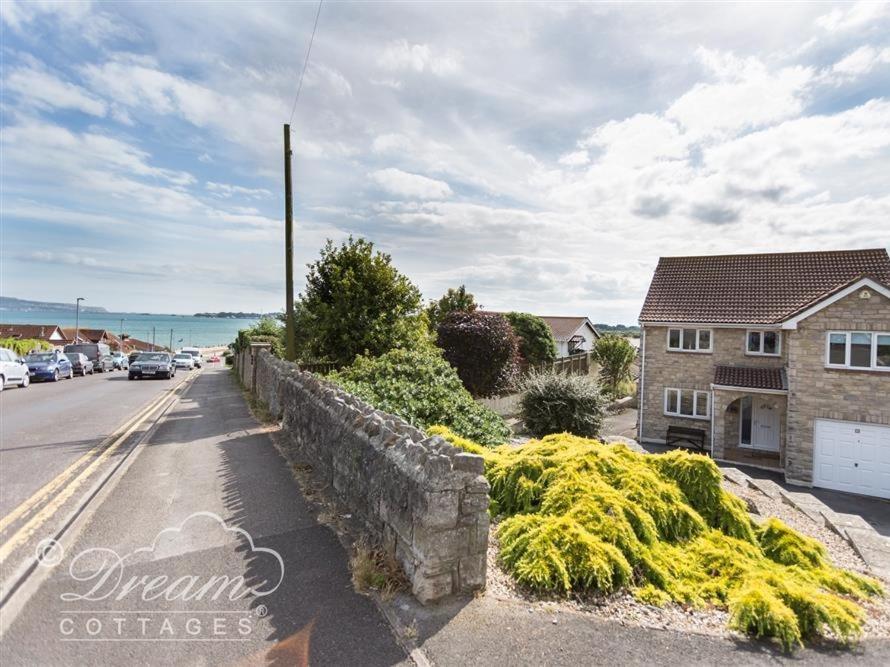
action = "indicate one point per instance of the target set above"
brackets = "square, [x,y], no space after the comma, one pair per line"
[49,366]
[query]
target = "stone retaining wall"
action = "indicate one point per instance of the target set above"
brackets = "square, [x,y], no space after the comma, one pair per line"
[420,499]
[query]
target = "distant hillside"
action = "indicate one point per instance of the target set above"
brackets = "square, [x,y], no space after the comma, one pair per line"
[24,305]
[620,329]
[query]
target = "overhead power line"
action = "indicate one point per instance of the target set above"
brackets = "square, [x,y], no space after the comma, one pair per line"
[305,63]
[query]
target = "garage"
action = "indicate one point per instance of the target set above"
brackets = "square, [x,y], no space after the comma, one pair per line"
[852,457]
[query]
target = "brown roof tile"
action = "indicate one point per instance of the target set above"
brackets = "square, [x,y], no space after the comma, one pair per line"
[750,378]
[563,327]
[38,331]
[754,289]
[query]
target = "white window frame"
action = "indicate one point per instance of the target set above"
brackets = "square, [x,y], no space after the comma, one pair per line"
[761,353]
[697,350]
[873,367]
[695,394]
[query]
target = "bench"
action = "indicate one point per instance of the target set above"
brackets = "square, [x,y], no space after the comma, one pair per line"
[676,435]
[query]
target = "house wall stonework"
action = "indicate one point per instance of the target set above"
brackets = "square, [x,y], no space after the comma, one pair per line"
[817,392]
[690,370]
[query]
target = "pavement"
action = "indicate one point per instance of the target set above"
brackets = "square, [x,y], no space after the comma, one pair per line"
[202,552]
[488,631]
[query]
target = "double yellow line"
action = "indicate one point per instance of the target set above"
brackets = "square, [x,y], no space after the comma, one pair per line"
[104,449]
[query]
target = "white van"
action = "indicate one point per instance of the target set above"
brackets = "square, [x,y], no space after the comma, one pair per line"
[196,354]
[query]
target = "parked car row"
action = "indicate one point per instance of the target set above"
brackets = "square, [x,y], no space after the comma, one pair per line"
[86,359]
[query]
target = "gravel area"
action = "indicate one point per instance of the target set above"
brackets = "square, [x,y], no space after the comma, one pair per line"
[625,610]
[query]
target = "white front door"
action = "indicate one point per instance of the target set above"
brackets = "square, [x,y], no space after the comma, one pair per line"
[759,423]
[852,457]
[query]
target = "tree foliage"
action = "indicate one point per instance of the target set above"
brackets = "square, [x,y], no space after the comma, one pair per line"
[266,330]
[23,346]
[455,299]
[483,349]
[422,388]
[616,357]
[536,342]
[356,302]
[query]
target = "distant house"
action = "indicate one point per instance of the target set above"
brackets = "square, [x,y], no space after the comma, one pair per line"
[573,335]
[92,336]
[51,333]
[778,360]
[136,345]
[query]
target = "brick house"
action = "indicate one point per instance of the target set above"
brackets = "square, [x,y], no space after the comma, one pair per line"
[777,360]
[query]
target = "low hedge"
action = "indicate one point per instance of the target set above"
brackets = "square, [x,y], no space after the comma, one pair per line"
[557,403]
[422,388]
[23,346]
[584,516]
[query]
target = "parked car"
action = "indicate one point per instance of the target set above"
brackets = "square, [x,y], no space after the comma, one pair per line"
[81,364]
[98,353]
[183,360]
[152,365]
[196,354]
[13,369]
[49,366]
[214,359]
[120,360]
[132,356]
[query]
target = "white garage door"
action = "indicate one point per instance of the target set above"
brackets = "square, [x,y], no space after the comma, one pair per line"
[852,457]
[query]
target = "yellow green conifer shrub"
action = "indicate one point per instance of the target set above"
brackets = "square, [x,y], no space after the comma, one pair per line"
[584,516]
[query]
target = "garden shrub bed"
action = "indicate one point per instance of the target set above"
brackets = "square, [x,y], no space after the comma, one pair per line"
[579,516]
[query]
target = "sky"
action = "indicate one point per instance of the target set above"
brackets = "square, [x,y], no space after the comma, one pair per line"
[544,155]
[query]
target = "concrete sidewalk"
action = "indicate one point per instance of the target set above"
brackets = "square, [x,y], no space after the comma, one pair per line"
[207,496]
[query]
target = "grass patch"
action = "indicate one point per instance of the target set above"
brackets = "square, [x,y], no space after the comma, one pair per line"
[373,570]
[584,516]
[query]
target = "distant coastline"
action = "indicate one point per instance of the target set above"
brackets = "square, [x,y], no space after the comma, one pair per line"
[26,305]
[224,315]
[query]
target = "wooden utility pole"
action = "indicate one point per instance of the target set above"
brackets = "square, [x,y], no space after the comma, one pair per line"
[289,338]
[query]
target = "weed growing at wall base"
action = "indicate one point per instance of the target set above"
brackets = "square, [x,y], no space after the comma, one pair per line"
[582,515]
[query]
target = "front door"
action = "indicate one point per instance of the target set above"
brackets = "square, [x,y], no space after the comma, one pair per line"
[760,424]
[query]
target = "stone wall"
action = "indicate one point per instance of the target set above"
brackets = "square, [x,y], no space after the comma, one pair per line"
[818,392]
[422,500]
[689,370]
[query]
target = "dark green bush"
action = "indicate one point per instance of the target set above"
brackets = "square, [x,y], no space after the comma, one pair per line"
[536,342]
[421,387]
[483,349]
[554,403]
[266,330]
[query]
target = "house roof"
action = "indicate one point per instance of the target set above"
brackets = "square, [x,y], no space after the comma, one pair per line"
[751,378]
[39,331]
[754,289]
[565,327]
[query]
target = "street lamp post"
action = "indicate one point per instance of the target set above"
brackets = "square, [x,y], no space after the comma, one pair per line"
[77,319]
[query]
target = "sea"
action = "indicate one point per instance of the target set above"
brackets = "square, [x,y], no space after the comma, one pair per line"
[186,330]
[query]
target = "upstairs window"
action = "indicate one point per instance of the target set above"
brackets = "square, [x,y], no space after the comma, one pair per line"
[689,340]
[766,343]
[864,350]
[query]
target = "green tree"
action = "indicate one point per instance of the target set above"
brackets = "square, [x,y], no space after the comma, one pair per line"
[453,300]
[356,302]
[616,359]
[267,330]
[536,342]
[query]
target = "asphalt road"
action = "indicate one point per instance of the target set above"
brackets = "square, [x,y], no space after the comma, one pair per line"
[205,501]
[46,426]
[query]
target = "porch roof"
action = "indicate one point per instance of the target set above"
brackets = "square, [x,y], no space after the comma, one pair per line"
[747,377]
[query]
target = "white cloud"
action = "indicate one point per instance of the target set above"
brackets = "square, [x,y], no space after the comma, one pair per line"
[861,61]
[746,95]
[853,16]
[410,186]
[639,140]
[400,55]
[575,159]
[227,191]
[42,89]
